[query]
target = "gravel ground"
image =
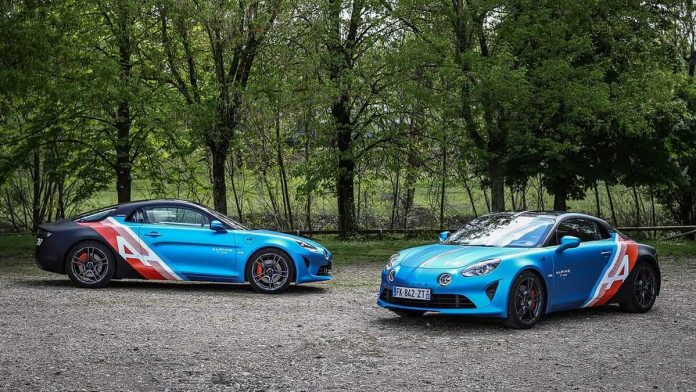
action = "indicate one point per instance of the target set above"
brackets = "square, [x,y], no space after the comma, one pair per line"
[168,336]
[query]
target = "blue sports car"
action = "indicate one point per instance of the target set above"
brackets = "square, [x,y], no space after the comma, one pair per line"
[176,240]
[518,266]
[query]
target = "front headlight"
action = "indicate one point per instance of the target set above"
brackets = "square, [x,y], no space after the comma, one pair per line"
[307,246]
[392,261]
[482,268]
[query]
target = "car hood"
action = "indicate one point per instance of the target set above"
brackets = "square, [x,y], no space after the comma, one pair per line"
[451,256]
[270,233]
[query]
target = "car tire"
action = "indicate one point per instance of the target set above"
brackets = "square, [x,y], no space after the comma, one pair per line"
[642,290]
[90,264]
[408,313]
[526,301]
[270,271]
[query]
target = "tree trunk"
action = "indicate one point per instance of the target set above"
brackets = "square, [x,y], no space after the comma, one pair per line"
[471,197]
[123,159]
[637,205]
[395,199]
[560,197]
[345,179]
[237,204]
[357,204]
[60,213]
[540,194]
[596,195]
[653,216]
[219,156]
[485,198]
[496,176]
[442,187]
[524,194]
[611,205]
[347,224]
[36,188]
[308,205]
[123,119]
[283,177]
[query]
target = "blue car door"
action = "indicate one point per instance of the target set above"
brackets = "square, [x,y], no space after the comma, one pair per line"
[577,270]
[182,238]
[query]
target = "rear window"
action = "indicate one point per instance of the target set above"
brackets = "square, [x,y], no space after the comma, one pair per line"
[95,215]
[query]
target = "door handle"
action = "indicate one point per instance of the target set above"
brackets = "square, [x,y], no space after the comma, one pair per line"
[153,234]
[606,253]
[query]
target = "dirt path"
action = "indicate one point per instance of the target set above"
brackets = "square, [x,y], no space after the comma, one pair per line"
[168,336]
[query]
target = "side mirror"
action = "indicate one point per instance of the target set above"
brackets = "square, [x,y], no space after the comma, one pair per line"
[216,225]
[567,242]
[444,236]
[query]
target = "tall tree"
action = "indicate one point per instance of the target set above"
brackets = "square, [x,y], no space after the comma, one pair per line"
[230,35]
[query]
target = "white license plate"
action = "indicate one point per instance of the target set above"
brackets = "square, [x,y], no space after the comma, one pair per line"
[411,293]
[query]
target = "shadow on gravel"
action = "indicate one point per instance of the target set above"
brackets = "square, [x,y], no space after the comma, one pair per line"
[439,322]
[458,323]
[173,287]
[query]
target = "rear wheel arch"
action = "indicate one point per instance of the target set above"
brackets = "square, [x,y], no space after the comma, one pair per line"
[653,262]
[106,275]
[90,239]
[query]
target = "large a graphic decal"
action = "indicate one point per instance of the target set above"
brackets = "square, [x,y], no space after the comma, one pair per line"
[123,240]
[616,272]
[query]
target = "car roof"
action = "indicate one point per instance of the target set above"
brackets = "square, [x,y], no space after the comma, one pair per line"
[129,207]
[555,215]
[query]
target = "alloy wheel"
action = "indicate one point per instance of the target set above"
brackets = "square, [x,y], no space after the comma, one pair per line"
[270,271]
[528,300]
[89,265]
[644,287]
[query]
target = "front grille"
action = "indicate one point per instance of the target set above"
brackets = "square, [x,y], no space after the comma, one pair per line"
[324,270]
[439,301]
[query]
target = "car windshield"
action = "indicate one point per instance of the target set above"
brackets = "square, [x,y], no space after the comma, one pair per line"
[226,219]
[503,230]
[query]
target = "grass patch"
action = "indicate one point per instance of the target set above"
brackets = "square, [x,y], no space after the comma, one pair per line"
[368,250]
[676,249]
[363,250]
[17,244]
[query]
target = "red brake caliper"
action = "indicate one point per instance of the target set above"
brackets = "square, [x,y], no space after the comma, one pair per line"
[83,257]
[533,300]
[259,269]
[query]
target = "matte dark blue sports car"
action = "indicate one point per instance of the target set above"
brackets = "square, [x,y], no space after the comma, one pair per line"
[518,266]
[176,240]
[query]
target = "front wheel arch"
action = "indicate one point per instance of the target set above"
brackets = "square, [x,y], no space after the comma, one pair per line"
[249,259]
[541,279]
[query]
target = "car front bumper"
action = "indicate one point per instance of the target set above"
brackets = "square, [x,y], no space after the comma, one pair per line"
[475,296]
[313,267]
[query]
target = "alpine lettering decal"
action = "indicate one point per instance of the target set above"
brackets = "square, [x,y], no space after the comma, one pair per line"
[136,253]
[615,274]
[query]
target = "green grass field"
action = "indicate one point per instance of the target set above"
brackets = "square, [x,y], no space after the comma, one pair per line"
[365,250]
[254,198]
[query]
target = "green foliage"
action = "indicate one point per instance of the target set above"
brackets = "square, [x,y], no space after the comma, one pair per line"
[302,101]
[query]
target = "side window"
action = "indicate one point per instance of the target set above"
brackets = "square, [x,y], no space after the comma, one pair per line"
[585,229]
[175,216]
[136,217]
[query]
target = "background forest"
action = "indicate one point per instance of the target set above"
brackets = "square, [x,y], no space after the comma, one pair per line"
[355,114]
